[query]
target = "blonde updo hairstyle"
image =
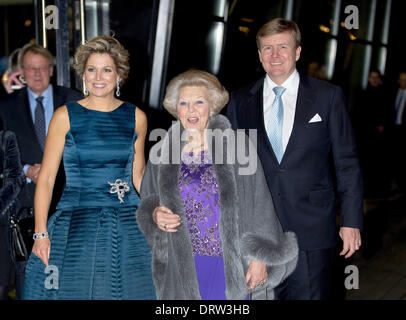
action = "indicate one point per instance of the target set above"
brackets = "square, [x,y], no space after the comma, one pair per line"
[103,44]
[217,94]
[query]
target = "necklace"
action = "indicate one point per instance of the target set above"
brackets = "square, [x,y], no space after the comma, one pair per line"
[196,147]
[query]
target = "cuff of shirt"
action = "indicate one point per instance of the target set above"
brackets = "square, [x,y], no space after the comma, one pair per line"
[25,168]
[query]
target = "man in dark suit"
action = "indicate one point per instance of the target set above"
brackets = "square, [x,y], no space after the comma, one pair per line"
[300,122]
[372,121]
[398,134]
[28,112]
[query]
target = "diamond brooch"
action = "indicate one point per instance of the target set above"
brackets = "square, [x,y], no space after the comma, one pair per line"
[120,187]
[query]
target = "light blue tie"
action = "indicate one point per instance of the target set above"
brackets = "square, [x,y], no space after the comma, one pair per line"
[274,124]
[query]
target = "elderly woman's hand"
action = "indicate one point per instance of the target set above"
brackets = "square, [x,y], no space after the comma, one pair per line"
[256,274]
[165,219]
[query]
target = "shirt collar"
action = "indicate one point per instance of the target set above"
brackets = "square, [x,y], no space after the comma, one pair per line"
[46,94]
[291,84]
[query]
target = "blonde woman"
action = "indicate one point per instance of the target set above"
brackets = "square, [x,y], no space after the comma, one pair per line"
[92,244]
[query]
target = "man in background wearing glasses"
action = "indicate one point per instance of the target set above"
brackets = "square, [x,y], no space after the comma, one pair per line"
[28,112]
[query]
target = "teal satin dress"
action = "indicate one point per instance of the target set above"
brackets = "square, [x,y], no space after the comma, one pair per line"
[97,250]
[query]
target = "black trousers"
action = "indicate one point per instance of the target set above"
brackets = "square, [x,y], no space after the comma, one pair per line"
[312,278]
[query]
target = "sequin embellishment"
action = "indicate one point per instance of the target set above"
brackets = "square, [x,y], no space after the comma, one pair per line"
[199,191]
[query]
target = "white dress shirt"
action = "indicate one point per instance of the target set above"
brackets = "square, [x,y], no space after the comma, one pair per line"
[48,104]
[289,99]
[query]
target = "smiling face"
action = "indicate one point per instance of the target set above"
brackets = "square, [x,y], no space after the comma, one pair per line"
[100,75]
[278,55]
[37,72]
[194,108]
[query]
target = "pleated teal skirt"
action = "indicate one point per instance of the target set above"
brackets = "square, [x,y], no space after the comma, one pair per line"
[96,253]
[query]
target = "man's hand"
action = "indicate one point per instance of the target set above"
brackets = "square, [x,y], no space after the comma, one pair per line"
[33,171]
[351,241]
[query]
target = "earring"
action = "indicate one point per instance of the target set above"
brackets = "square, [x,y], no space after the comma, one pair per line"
[118,88]
[84,87]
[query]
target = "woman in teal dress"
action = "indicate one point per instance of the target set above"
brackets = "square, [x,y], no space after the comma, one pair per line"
[91,248]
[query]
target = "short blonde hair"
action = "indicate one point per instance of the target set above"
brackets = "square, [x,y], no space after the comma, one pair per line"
[276,26]
[218,95]
[34,49]
[108,45]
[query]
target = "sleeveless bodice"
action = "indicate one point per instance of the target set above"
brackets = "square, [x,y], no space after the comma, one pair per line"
[98,158]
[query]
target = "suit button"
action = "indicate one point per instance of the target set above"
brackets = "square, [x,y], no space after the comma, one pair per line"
[279,194]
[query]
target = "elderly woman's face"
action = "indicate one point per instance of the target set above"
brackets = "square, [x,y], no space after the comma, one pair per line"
[100,74]
[194,107]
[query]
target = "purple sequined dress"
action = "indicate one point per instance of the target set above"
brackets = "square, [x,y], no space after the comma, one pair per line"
[198,189]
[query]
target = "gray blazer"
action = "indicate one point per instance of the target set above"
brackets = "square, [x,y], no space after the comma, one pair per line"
[249,228]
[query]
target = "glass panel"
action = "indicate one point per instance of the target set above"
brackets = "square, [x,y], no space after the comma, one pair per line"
[17,25]
[17,28]
[366,10]
[202,48]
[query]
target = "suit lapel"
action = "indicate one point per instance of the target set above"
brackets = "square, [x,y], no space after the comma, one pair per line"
[256,108]
[57,97]
[27,121]
[304,109]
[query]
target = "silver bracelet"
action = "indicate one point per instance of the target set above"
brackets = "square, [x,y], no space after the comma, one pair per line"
[40,235]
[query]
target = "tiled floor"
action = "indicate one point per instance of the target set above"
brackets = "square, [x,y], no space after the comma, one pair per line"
[382,264]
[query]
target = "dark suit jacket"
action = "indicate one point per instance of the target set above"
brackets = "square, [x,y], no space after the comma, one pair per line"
[12,174]
[15,115]
[303,184]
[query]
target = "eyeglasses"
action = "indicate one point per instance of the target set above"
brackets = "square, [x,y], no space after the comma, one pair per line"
[39,69]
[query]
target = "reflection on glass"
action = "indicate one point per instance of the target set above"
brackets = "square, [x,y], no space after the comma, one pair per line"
[288,9]
[371,20]
[97,18]
[331,57]
[366,65]
[382,59]
[91,18]
[385,29]
[335,23]
[215,44]
[219,8]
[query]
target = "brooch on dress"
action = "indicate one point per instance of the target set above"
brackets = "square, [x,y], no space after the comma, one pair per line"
[120,187]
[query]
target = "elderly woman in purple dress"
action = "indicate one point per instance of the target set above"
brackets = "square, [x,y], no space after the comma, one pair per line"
[207,215]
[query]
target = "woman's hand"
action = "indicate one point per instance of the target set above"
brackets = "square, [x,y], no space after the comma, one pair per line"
[165,219]
[256,274]
[42,249]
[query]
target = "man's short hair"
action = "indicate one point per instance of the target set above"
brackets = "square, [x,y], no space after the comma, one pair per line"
[276,26]
[35,49]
